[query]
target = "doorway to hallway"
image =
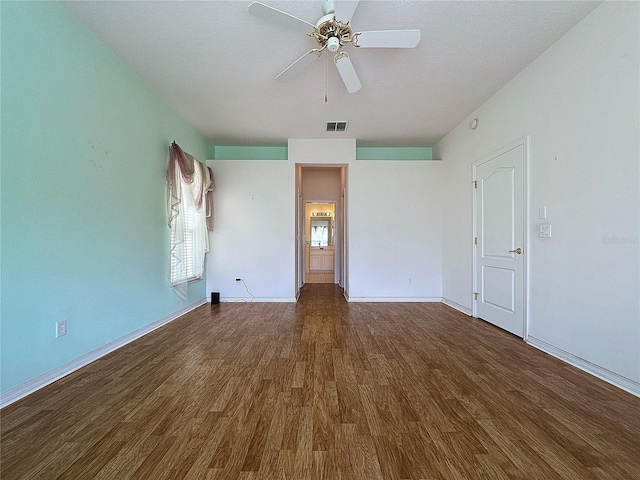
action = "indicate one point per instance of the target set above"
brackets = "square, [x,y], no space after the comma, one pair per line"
[321,244]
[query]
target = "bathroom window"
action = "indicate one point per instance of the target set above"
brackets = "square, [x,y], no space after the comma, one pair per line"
[319,233]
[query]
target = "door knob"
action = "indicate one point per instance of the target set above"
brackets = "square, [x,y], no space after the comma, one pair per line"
[517,250]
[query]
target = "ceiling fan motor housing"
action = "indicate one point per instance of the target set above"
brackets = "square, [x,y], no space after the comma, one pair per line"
[332,34]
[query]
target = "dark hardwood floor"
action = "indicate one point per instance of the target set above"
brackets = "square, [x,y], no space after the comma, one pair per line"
[323,389]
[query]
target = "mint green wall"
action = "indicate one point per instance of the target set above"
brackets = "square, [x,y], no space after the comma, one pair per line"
[83,223]
[281,153]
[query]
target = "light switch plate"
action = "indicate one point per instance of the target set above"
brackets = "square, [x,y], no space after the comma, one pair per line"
[542,213]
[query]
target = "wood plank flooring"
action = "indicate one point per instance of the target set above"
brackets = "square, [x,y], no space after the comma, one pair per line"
[323,389]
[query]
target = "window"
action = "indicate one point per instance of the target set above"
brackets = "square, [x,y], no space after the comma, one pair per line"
[190,203]
[319,233]
[189,237]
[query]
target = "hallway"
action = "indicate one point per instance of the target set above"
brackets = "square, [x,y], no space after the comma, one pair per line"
[319,277]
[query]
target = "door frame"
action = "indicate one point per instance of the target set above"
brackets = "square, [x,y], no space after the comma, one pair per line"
[300,253]
[341,264]
[525,143]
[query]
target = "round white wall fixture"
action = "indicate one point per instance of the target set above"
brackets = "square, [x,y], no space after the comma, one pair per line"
[473,124]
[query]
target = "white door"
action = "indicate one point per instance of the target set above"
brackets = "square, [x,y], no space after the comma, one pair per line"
[500,236]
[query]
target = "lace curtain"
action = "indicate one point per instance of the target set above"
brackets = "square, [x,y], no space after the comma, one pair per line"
[190,209]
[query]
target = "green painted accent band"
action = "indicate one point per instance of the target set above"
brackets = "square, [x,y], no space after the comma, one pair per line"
[222,152]
[250,153]
[394,153]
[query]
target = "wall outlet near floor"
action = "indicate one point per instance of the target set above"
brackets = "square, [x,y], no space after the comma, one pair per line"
[61,328]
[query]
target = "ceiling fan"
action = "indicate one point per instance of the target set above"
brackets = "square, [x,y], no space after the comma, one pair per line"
[332,32]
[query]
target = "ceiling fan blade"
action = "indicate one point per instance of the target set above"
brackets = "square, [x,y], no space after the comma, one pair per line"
[345,10]
[280,18]
[347,72]
[388,39]
[300,64]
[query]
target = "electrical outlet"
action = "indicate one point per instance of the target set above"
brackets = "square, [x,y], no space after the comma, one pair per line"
[61,328]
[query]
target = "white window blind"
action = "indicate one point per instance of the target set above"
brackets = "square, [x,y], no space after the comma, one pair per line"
[185,270]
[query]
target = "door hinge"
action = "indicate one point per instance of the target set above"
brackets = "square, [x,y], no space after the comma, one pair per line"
[475,241]
[475,295]
[475,184]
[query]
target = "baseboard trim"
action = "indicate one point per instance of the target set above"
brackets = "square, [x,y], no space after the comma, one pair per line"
[395,299]
[45,379]
[602,373]
[258,300]
[457,306]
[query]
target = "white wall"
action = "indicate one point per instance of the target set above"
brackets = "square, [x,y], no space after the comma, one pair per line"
[395,230]
[579,102]
[254,236]
[321,185]
[322,152]
[394,222]
[394,225]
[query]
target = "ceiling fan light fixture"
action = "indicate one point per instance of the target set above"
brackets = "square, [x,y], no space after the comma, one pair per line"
[333,44]
[331,34]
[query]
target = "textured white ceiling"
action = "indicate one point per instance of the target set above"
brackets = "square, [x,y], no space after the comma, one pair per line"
[215,64]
